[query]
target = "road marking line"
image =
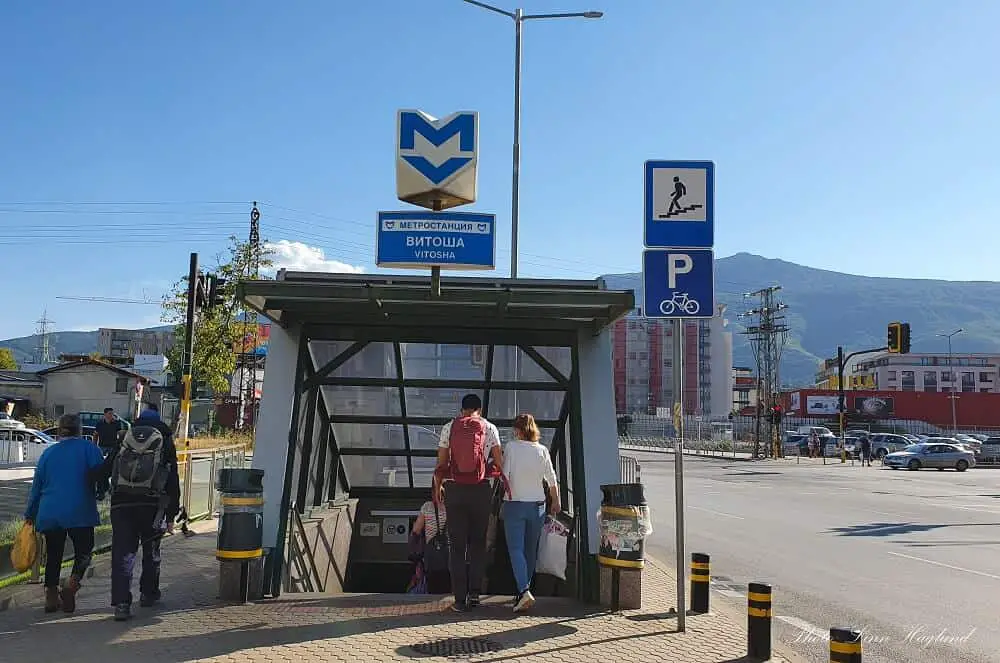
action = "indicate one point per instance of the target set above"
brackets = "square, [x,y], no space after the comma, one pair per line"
[805,626]
[947,566]
[718,513]
[731,593]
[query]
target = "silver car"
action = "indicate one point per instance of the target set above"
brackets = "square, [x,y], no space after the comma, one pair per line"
[940,456]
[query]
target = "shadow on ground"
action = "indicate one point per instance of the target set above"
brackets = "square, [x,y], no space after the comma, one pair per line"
[894,529]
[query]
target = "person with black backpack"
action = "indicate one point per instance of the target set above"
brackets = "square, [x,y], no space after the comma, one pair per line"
[466,445]
[145,500]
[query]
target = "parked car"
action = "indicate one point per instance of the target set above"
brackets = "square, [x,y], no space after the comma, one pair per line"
[884,444]
[969,442]
[912,438]
[88,432]
[936,455]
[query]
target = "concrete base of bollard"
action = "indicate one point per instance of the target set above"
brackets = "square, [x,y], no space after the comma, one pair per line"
[629,588]
[241,580]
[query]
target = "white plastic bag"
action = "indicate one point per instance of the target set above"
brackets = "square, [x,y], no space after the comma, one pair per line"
[552,548]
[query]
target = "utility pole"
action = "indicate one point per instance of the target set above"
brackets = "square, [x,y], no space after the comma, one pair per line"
[767,332]
[184,417]
[247,358]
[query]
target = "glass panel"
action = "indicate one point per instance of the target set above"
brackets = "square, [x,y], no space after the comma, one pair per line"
[424,437]
[369,436]
[541,404]
[434,360]
[376,401]
[423,472]
[512,364]
[322,352]
[433,402]
[559,357]
[368,471]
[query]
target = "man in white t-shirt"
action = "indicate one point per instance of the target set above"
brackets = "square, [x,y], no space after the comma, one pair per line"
[467,498]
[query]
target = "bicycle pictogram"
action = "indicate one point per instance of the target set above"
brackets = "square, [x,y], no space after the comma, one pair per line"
[680,301]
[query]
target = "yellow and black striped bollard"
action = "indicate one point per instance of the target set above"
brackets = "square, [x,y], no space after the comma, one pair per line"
[845,645]
[699,583]
[759,621]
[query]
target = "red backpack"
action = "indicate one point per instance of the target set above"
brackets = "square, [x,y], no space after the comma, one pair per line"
[467,447]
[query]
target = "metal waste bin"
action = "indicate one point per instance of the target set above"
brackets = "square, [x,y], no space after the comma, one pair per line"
[239,548]
[624,526]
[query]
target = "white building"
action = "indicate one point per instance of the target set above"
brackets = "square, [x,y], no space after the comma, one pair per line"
[928,372]
[153,367]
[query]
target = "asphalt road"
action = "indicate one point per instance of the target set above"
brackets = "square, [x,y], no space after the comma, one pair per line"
[911,558]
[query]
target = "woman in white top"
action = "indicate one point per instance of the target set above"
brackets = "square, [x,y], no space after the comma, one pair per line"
[433,519]
[526,463]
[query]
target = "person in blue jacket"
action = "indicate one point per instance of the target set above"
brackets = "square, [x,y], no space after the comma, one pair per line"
[63,503]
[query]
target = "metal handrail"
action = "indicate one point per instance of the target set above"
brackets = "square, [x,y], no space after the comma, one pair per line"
[311,572]
[211,455]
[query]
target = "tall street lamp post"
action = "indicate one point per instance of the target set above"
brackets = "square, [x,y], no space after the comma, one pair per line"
[951,375]
[519,17]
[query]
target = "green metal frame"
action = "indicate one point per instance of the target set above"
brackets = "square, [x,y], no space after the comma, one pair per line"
[361,310]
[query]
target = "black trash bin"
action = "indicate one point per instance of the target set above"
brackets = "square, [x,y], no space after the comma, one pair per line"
[624,526]
[239,548]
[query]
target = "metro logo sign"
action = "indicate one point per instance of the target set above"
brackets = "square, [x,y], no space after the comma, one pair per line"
[436,160]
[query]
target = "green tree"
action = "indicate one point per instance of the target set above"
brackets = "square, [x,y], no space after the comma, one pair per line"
[216,329]
[7,361]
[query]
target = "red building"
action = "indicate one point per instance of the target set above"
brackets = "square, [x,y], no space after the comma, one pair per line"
[972,409]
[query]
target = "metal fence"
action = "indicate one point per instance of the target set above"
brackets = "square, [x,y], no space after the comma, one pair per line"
[198,469]
[631,472]
[18,452]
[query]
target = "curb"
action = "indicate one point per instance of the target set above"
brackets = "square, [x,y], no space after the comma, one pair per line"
[13,596]
[687,452]
[726,608]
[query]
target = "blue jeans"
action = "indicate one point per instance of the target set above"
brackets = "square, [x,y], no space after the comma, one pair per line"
[522,524]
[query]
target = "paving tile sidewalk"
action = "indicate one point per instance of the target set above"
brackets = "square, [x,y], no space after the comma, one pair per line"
[191,625]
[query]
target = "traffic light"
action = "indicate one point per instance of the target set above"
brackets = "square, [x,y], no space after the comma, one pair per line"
[894,336]
[904,338]
[215,296]
[776,414]
[201,292]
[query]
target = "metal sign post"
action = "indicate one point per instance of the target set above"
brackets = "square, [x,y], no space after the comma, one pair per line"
[678,380]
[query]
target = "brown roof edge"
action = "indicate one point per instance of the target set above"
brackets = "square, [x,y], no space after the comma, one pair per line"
[93,362]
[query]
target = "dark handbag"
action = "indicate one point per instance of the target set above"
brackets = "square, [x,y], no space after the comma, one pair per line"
[436,553]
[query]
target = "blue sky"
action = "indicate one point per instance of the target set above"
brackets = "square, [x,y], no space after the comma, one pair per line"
[859,135]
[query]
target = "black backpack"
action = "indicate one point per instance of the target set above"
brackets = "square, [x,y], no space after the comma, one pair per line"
[140,468]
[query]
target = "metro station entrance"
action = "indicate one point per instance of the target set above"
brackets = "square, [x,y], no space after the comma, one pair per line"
[368,369]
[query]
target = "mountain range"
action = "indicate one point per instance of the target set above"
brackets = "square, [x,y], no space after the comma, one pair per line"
[825,309]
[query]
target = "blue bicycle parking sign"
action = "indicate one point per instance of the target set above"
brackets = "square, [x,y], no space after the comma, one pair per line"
[678,283]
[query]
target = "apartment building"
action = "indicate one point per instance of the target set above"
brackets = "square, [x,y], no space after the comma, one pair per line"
[744,388]
[965,372]
[643,365]
[131,342]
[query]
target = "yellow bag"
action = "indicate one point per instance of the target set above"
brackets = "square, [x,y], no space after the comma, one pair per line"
[25,549]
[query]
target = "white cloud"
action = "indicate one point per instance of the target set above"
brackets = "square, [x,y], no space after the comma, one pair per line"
[299,257]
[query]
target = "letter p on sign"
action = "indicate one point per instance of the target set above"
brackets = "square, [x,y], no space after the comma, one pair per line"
[677,263]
